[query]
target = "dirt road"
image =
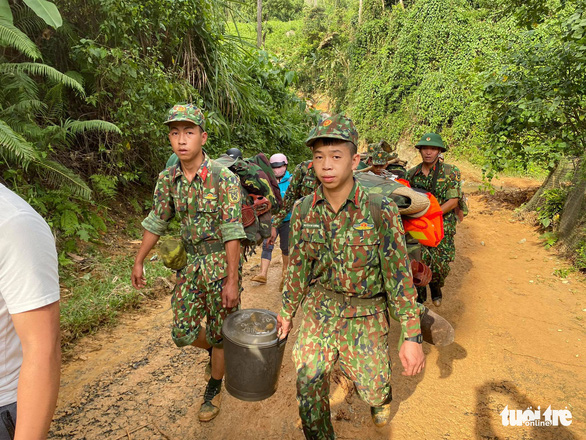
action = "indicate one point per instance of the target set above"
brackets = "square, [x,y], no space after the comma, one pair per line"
[519,332]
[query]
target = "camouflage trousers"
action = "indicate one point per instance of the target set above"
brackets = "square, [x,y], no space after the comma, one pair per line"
[360,345]
[193,301]
[439,258]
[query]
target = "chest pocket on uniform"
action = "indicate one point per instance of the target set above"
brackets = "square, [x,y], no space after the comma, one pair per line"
[358,248]
[180,205]
[206,216]
[314,239]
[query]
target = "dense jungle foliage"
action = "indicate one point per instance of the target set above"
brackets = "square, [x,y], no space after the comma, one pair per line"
[504,82]
[85,86]
[86,125]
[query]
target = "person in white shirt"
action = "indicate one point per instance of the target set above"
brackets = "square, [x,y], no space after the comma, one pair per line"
[29,321]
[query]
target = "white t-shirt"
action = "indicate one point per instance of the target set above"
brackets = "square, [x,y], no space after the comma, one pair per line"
[28,279]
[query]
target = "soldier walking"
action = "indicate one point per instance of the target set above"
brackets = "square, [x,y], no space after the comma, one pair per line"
[347,272]
[206,197]
[443,181]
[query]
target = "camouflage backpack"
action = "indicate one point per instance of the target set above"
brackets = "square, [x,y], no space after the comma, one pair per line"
[257,198]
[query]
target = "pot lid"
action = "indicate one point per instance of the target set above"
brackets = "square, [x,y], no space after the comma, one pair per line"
[251,327]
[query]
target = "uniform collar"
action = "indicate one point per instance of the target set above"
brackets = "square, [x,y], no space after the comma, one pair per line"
[419,169]
[202,173]
[356,193]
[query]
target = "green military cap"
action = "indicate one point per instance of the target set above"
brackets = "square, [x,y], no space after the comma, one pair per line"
[186,112]
[431,140]
[337,127]
[380,157]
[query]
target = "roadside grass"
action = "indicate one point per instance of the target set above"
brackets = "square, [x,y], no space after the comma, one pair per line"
[96,287]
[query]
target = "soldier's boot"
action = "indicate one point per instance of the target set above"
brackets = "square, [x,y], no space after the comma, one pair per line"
[436,294]
[380,415]
[435,329]
[421,294]
[212,398]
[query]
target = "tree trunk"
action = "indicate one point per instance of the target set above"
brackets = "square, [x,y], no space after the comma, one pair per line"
[556,178]
[572,229]
[402,4]
[259,23]
[360,12]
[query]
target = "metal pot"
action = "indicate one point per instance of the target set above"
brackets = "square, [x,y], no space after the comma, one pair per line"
[253,354]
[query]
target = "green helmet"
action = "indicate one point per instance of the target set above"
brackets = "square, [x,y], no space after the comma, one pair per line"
[186,112]
[431,140]
[380,157]
[337,127]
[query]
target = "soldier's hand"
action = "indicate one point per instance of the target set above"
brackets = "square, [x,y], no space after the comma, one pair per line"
[284,326]
[271,240]
[412,358]
[137,276]
[230,295]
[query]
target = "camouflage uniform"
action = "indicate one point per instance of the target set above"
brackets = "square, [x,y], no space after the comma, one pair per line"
[448,187]
[303,182]
[210,215]
[348,276]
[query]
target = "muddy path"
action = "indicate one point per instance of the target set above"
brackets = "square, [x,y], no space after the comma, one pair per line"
[519,343]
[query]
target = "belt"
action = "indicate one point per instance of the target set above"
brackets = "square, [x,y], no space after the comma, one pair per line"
[205,248]
[352,300]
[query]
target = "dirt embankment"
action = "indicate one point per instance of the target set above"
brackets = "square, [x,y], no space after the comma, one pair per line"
[519,343]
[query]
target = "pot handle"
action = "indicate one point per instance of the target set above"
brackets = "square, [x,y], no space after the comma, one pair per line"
[282,341]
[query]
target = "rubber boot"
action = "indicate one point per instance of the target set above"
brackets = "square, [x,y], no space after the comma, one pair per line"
[421,294]
[436,294]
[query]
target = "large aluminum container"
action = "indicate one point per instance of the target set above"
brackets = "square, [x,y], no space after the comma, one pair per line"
[253,354]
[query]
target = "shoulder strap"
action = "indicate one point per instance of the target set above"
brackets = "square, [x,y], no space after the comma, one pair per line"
[375,207]
[435,175]
[216,168]
[305,205]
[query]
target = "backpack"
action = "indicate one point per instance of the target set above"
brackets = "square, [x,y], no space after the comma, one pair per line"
[261,160]
[420,212]
[257,197]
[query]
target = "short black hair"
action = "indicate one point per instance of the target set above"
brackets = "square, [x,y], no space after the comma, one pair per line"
[327,142]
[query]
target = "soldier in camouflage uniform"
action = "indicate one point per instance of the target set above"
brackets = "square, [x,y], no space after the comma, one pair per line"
[448,191]
[379,161]
[206,198]
[347,274]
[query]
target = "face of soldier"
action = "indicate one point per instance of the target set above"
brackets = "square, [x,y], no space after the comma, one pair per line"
[378,169]
[429,154]
[187,140]
[334,164]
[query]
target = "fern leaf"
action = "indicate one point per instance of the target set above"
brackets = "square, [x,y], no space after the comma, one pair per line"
[39,69]
[60,176]
[79,127]
[15,38]
[15,146]
[26,106]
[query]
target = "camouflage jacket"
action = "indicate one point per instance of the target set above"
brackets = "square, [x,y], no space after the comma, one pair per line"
[303,182]
[206,214]
[448,187]
[344,252]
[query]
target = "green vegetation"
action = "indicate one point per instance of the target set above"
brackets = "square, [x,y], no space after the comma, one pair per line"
[86,84]
[97,288]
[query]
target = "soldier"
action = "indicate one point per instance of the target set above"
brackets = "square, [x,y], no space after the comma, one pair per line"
[443,181]
[348,273]
[206,197]
[379,161]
